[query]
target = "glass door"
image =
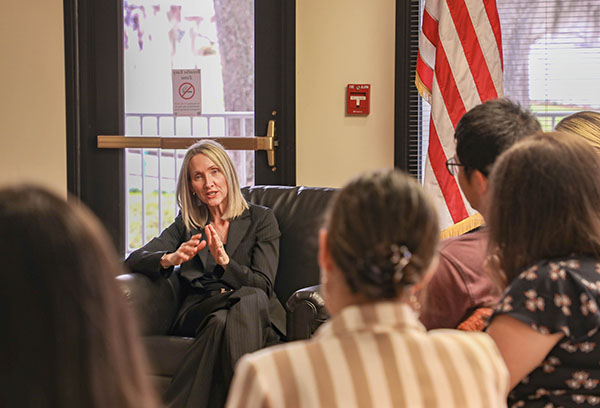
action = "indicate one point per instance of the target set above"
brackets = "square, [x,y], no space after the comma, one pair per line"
[160,36]
[118,57]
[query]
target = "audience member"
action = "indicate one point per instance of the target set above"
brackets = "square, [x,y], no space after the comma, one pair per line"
[376,249]
[227,253]
[69,340]
[585,124]
[460,285]
[545,248]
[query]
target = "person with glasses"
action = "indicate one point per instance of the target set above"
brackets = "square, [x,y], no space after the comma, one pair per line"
[460,285]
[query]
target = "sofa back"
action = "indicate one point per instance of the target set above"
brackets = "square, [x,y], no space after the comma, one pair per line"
[299,212]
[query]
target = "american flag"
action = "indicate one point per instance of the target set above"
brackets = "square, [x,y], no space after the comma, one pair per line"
[459,66]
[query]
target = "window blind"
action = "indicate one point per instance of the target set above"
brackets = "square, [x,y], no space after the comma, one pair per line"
[551,54]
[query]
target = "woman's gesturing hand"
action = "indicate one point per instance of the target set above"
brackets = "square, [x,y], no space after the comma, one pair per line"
[184,253]
[216,246]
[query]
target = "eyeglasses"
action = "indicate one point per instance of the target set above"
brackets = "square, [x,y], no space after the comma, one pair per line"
[452,164]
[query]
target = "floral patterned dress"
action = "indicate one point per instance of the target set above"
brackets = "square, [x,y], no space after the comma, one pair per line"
[559,295]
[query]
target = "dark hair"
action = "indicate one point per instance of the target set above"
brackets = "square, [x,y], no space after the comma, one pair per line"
[371,222]
[69,339]
[545,202]
[485,131]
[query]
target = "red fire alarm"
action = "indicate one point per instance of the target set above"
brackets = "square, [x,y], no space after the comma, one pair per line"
[358,99]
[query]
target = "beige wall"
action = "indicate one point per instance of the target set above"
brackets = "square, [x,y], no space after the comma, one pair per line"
[32,100]
[340,42]
[331,52]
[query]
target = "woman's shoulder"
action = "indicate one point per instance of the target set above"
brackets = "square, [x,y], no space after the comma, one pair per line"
[468,339]
[260,212]
[478,349]
[263,218]
[573,262]
[570,271]
[257,208]
[556,295]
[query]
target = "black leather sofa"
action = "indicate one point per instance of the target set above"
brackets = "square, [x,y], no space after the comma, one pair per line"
[299,211]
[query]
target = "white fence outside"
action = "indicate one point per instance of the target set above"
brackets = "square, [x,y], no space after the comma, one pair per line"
[151,174]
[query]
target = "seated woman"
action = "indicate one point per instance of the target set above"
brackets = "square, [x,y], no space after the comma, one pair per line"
[376,251]
[228,251]
[545,246]
[69,340]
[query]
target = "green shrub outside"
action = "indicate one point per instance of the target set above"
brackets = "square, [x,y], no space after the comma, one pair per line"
[168,202]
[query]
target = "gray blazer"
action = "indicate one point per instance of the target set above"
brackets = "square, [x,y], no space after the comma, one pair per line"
[252,246]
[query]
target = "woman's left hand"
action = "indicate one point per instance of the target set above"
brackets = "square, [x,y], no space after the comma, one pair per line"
[216,246]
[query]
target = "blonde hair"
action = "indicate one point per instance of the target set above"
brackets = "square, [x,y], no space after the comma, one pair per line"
[194,211]
[585,124]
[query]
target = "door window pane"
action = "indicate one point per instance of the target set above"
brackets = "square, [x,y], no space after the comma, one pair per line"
[215,36]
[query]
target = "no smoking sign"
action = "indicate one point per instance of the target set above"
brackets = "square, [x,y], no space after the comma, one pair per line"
[187,91]
[187,99]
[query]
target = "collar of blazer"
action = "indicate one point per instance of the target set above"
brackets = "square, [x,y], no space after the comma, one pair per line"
[238,227]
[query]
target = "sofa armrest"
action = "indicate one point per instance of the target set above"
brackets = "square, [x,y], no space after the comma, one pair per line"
[306,312]
[154,302]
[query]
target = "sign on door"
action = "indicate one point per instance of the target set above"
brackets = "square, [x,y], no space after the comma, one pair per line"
[187,100]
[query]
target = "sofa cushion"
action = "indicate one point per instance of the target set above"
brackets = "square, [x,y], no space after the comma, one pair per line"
[299,212]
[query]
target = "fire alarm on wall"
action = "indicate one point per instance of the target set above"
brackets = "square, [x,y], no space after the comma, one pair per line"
[358,99]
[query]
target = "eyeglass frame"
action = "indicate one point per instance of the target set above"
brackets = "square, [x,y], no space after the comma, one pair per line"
[451,163]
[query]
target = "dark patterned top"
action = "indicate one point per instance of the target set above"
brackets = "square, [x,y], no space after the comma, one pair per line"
[559,295]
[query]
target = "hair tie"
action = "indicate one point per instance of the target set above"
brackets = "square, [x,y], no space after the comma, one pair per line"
[400,258]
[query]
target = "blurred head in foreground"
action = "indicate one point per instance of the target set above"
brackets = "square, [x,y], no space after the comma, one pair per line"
[546,200]
[69,339]
[379,240]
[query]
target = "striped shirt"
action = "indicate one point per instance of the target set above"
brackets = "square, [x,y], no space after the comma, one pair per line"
[375,355]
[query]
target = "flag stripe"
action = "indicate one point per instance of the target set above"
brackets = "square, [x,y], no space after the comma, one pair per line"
[433,8]
[430,28]
[443,126]
[487,41]
[454,107]
[446,182]
[425,73]
[467,70]
[492,13]
[459,66]
[432,188]
[472,50]
[426,57]
[445,79]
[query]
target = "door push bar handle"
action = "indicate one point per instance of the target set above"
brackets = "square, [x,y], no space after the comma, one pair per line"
[266,143]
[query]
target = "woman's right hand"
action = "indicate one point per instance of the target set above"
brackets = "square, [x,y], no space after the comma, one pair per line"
[184,253]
